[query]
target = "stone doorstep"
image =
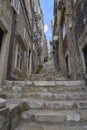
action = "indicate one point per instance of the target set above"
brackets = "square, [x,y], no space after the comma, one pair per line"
[54,116]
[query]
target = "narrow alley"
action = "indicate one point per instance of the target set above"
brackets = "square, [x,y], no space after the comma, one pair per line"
[46,102]
[43,64]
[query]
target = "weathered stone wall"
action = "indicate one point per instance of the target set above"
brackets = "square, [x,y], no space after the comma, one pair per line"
[22,25]
[75,41]
[5,25]
[80,24]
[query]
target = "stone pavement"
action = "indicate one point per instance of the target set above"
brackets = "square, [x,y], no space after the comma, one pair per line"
[48,101]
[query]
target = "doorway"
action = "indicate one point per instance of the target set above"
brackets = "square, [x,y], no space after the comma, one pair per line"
[67,65]
[85,57]
[1,37]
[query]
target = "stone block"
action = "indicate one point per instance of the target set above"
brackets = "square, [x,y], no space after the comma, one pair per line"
[50,117]
[20,83]
[15,113]
[73,117]
[59,105]
[4,119]
[29,83]
[17,89]
[2,103]
[35,104]
[44,83]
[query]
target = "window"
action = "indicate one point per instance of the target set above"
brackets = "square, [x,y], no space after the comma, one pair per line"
[64,31]
[67,65]
[25,35]
[19,57]
[16,5]
[1,37]
[85,57]
[29,59]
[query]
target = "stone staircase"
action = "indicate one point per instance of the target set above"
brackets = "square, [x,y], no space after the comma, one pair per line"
[48,73]
[47,105]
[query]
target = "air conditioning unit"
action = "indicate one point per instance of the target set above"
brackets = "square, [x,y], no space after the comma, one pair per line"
[16,5]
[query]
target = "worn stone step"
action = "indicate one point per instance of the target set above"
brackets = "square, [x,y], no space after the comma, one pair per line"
[36,126]
[38,104]
[55,89]
[54,97]
[43,104]
[45,83]
[39,89]
[57,83]
[52,116]
[45,95]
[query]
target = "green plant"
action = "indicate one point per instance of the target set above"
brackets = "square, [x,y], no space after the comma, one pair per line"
[39,67]
[45,59]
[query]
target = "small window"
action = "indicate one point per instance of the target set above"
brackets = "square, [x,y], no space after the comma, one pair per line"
[1,37]
[29,59]
[67,65]
[19,57]
[25,34]
[64,30]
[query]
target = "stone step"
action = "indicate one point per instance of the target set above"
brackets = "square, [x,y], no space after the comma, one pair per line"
[44,83]
[56,90]
[36,126]
[50,96]
[54,97]
[57,105]
[38,104]
[52,116]
[43,86]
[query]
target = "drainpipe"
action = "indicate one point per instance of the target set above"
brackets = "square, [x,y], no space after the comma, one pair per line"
[11,47]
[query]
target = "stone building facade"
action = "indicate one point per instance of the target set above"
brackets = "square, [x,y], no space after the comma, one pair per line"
[6,13]
[39,38]
[20,42]
[19,38]
[70,29]
[44,48]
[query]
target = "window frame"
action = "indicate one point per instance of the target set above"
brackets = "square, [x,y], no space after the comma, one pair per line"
[19,53]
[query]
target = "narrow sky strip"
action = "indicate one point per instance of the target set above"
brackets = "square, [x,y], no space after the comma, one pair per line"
[47,8]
